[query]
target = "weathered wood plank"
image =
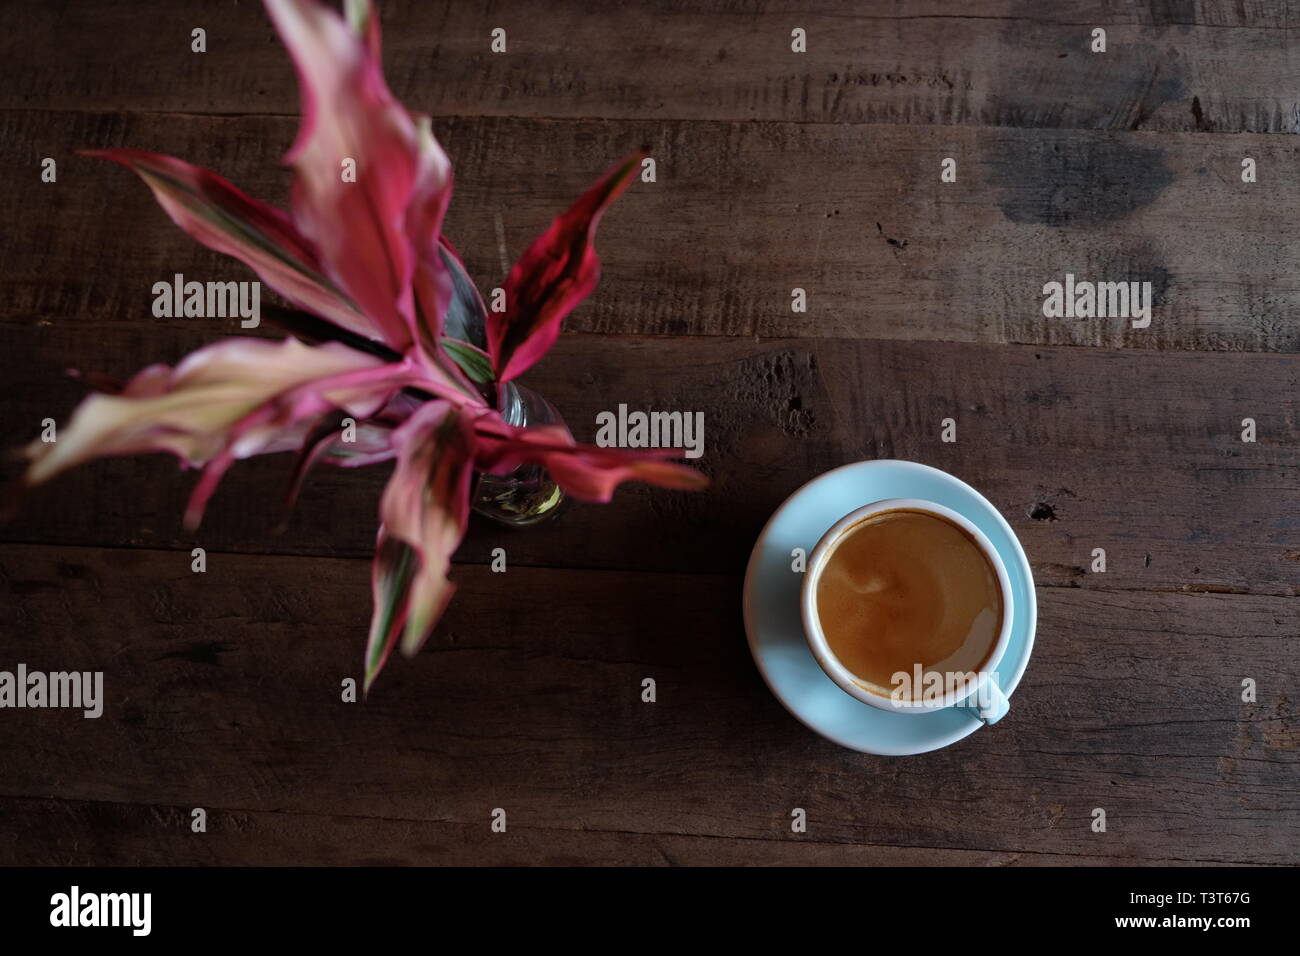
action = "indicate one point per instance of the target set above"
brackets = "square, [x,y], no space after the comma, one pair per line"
[1139,453]
[223,691]
[740,216]
[81,833]
[1219,66]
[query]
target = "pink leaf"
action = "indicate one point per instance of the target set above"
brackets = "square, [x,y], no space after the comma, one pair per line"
[557,272]
[391,574]
[425,507]
[221,217]
[431,282]
[282,420]
[364,21]
[357,161]
[430,197]
[227,401]
[584,471]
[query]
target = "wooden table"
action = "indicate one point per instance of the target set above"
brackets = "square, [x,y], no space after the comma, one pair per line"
[776,170]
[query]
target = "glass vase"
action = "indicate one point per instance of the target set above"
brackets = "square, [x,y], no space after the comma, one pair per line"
[528,494]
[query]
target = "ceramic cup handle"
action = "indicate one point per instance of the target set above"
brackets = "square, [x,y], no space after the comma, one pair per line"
[995,703]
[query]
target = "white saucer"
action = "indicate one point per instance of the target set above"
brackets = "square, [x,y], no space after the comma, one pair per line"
[776,637]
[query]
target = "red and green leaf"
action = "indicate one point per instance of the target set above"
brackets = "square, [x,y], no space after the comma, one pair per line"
[225,219]
[391,575]
[424,509]
[557,272]
[586,472]
[229,400]
[473,362]
[357,224]
[466,317]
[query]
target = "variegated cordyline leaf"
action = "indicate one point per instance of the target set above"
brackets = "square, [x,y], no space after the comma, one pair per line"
[229,400]
[431,285]
[338,439]
[429,199]
[217,214]
[445,379]
[287,416]
[556,272]
[423,514]
[364,21]
[587,472]
[465,318]
[358,164]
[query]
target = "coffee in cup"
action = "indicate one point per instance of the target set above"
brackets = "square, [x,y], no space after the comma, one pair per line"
[906,605]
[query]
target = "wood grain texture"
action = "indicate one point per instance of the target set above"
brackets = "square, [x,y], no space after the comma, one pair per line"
[742,214]
[223,692]
[1139,453]
[79,833]
[1179,65]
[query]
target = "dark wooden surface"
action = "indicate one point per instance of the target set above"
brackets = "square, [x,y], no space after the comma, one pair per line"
[775,170]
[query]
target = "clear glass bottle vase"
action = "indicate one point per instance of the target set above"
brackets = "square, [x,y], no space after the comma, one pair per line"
[528,494]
